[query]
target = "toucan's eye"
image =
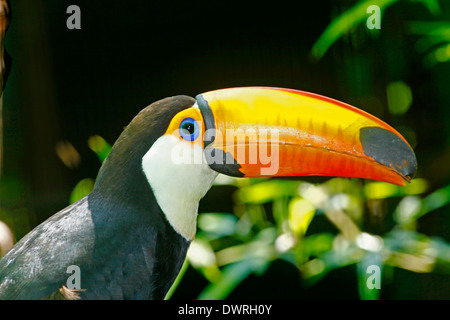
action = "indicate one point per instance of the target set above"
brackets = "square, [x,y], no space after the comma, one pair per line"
[189,129]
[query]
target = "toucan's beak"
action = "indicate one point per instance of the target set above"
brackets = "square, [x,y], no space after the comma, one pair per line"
[259,131]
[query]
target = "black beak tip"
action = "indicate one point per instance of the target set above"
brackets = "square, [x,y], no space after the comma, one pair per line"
[390,150]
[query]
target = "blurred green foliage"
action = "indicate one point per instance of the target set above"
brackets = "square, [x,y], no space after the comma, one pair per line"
[231,246]
[355,15]
[434,42]
[101,148]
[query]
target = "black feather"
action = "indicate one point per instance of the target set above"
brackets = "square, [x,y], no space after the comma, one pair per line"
[117,235]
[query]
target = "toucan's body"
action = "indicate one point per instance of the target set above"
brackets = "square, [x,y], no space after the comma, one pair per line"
[130,235]
[114,235]
[115,263]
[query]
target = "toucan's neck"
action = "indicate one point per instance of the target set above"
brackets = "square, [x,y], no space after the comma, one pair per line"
[121,178]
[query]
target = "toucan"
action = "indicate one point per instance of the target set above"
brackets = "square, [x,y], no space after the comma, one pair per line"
[130,235]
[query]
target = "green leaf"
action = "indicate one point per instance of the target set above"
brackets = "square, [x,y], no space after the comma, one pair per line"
[266,191]
[317,244]
[231,276]
[301,212]
[438,55]
[435,200]
[343,23]
[369,270]
[432,5]
[399,97]
[177,281]
[82,189]
[220,224]
[99,146]
[354,16]
[382,190]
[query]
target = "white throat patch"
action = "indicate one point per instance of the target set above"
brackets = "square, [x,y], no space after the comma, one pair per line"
[177,182]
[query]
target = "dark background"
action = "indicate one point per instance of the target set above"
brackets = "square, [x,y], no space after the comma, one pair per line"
[66,85]
[70,84]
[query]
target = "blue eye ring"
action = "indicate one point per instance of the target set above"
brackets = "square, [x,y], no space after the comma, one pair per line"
[189,129]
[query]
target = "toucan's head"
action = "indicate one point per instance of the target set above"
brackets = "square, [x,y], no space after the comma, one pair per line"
[257,131]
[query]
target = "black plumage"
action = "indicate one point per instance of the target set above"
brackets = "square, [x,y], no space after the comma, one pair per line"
[117,235]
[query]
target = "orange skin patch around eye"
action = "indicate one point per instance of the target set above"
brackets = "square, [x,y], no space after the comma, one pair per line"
[194,113]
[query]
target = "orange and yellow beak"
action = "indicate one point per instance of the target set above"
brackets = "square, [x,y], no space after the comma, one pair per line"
[260,131]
